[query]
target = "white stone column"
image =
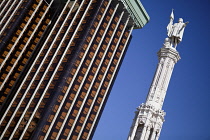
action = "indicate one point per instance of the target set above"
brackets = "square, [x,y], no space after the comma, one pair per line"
[143,133]
[134,126]
[157,136]
[167,59]
[153,134]
[147,133]
[134,130]
[152,111]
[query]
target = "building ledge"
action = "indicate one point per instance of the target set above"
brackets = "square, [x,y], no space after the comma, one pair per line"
[137,12]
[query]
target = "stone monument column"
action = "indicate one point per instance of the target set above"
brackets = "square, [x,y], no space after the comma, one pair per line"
[149,118]
[168,57]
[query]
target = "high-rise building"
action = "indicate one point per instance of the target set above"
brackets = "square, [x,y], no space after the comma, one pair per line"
[58,61]
[149,117]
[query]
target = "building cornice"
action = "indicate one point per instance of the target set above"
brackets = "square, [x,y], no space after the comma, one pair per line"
[137,12]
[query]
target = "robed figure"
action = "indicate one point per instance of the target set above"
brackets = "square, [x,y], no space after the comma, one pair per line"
[176,30]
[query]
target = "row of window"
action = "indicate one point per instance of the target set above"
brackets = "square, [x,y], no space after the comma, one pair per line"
[16,55]
[66,88]
[86,86]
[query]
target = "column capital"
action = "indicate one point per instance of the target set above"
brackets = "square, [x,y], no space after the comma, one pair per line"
[149,111]
[169,52]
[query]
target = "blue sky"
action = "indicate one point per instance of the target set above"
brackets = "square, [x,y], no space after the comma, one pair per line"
[188,96]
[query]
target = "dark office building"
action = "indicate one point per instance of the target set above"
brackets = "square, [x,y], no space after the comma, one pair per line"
[58,62]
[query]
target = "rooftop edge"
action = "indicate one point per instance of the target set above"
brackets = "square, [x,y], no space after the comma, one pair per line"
[137,12]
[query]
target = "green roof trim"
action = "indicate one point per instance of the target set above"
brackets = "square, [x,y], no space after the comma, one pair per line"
[137,12]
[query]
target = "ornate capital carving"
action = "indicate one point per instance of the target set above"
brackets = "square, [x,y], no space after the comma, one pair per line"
[169,52]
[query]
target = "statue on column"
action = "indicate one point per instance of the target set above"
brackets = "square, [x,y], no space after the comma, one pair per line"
[176,30]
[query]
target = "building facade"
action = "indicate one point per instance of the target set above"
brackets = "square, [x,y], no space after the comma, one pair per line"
[58,61]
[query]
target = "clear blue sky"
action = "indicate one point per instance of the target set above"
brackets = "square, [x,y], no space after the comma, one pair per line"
[188,96]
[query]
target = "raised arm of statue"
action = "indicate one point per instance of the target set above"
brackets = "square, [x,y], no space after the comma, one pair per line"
[169,28]
[183,26]
[170,25]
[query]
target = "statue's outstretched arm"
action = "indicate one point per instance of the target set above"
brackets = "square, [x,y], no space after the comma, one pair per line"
[184,25]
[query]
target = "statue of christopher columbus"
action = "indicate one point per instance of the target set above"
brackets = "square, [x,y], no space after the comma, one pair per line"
[176,30]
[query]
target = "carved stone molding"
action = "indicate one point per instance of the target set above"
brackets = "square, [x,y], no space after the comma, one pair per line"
[169,52]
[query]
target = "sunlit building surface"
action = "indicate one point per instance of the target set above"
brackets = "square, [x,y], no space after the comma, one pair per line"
[58,62]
